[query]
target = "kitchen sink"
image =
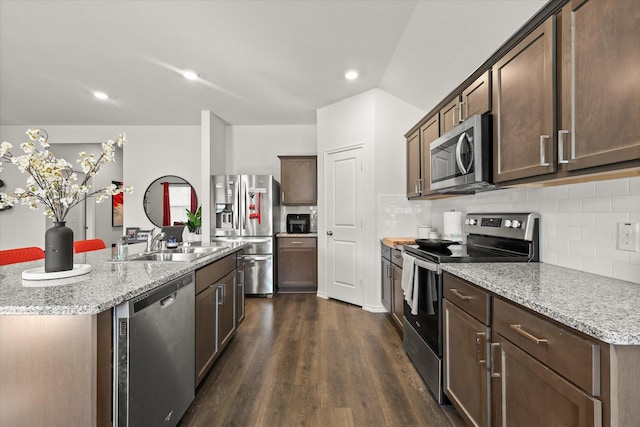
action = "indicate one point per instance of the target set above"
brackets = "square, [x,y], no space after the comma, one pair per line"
[179,254]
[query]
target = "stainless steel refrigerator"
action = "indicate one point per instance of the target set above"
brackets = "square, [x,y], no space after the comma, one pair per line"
[247,208]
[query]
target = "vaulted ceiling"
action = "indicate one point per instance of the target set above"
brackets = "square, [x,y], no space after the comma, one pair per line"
[259,62]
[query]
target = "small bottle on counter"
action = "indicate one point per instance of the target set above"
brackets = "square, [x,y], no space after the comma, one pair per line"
[121,249]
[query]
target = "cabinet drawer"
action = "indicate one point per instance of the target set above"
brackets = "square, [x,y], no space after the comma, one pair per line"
[396,257]
[297,242]
[468,297]
[213,272]
[564,351]
[385,251]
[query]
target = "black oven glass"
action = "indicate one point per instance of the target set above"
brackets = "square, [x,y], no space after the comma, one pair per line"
[444,162]
[428,321]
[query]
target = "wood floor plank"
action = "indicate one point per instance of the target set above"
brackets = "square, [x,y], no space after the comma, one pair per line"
[299,360]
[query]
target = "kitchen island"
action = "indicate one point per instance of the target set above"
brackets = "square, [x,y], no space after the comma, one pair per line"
[56,341]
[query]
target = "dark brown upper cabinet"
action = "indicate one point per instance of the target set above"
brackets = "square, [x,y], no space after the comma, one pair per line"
[414,178]
[428,134]
[523,107]
[475,99]
[599,58]
[298,176]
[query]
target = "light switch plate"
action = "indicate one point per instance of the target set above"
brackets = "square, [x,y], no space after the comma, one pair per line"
[628,236]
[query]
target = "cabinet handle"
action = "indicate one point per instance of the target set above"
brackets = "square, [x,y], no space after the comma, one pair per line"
[296,243]
[492,369]
[462,115]
[389,271]
[527,335]
[543,156]
[223,289]
[419,186]
[460,295]
[415,187]
[453,115]
[479,347]
[561,134]
[283,197]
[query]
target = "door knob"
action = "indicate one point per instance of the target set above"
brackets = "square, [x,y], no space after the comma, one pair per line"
[329,233]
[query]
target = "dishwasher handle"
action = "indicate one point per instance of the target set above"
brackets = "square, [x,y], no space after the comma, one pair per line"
[163,294]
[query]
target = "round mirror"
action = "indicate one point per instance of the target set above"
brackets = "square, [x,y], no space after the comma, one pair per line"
[167,199]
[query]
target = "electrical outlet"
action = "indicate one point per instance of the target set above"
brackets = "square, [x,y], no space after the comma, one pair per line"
[628,236]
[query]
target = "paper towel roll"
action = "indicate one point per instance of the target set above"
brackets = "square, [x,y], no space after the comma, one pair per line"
[452,226]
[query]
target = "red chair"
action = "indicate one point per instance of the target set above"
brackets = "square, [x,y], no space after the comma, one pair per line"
[88,245]
[14,256]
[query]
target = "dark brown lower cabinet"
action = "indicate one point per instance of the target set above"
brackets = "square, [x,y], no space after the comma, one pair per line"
[297,264]
[385,275]
[466,374]
[239,287]
[525,392]
[397,306]
[215,312]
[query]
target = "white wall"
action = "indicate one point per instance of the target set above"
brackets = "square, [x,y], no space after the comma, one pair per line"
[377,121]
[151,152]
[254,150]
[579,221]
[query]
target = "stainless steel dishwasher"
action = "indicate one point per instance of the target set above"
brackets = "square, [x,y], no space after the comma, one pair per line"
[154,367]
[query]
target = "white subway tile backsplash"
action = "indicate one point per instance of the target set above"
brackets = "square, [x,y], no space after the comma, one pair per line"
[597,266]
[613,187]
[624,271]
[582,219]
[578,191]
[634,185]
[626,203]
[579,221]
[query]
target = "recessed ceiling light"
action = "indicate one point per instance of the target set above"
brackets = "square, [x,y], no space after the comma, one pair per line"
[190,75]
[101,95]
[351,75]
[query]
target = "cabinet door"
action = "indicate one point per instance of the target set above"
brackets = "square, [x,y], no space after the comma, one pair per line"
[206,325]
[299,180]
[225,303]
[527,393]
[523,105]
[466,375]
[413,165]
[398,296]
[429,132]
[604,76]
[449,116]
[297,270]
[385,274]
[476,99]
[239,295]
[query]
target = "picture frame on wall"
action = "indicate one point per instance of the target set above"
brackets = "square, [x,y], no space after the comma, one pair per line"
[117,206]
[132,233]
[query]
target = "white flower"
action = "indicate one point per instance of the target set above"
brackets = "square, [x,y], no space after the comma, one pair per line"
[52,181]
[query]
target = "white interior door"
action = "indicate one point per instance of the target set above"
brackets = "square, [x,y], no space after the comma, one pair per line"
[344,196]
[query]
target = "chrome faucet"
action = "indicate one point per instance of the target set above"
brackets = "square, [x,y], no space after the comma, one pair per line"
[153,241]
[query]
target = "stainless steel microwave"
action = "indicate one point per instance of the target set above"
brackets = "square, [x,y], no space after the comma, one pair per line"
[461,158]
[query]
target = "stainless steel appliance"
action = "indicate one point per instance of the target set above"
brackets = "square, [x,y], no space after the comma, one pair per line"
[492,237]
[298,223]
[461,160]
[154,362]
[247,208]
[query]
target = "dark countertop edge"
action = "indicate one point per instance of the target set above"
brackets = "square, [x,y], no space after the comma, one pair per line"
[284,234]
[90,310]
[593,330]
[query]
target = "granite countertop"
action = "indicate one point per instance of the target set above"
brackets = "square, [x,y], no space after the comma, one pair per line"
[297,235]
[604,308]
[108,284]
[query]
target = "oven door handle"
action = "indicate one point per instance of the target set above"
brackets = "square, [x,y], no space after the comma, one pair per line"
[425,264]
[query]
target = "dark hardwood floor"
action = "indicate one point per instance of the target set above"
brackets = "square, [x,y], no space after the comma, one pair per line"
[299,360]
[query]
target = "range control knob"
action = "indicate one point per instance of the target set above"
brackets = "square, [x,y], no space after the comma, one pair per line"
[507,223]
[516,224]
[472,221]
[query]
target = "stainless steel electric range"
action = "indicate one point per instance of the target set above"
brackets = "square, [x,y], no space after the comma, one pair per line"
[491,237]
